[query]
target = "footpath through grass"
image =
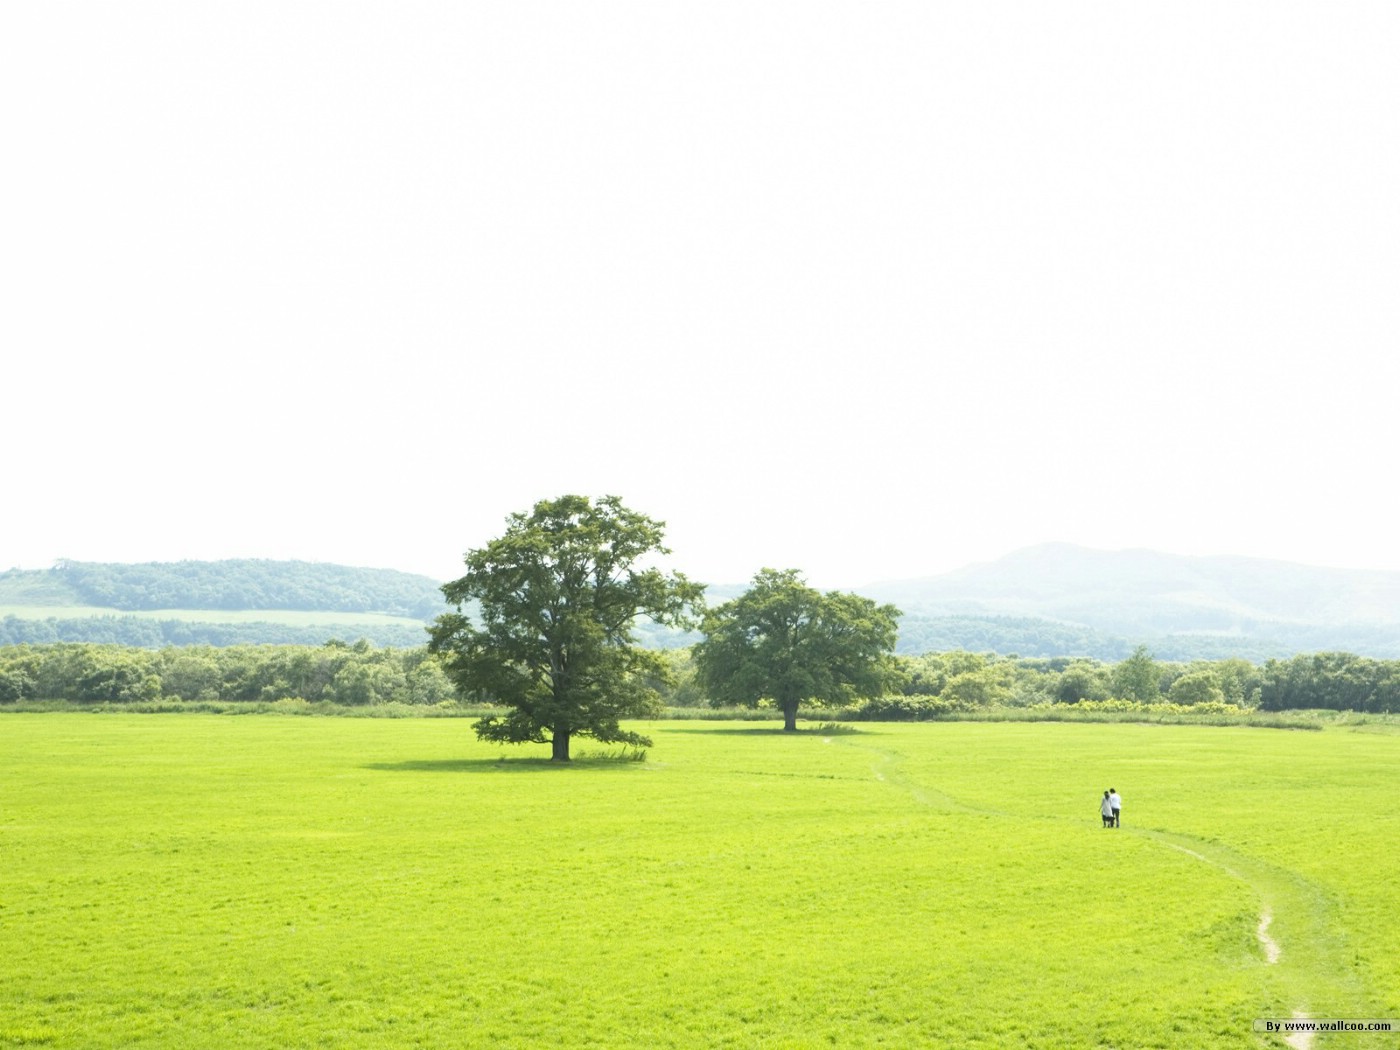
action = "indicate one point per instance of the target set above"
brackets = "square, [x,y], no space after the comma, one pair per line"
[283,882]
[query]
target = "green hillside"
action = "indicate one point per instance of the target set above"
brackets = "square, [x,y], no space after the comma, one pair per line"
[234,584]
[20,588]
[215,603]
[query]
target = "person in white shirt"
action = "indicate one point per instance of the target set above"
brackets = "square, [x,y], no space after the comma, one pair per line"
[1116,803]
[1106,811]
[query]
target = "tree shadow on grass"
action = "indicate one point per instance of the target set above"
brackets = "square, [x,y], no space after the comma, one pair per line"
[723,730]
[496,765]
[753,730]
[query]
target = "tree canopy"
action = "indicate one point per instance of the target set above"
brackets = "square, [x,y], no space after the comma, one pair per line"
[784,641]
[544,619]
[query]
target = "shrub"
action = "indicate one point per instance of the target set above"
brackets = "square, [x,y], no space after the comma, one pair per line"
[895,708]
[1121,706]
[622,754]
[15,685]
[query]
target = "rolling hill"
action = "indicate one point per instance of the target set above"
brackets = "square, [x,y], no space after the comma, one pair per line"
[216,603]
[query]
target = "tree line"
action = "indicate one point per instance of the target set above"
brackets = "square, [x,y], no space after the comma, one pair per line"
[934,684]
[926,686]
[336,672]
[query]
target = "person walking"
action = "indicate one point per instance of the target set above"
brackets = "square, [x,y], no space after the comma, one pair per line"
[1117,804]
[1106,811]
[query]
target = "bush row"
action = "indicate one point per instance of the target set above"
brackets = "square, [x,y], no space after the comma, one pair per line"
[350,675]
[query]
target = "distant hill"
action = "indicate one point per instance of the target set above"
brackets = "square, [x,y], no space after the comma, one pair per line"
[218,603]
[1046,601]
[1080,601]
[233,584]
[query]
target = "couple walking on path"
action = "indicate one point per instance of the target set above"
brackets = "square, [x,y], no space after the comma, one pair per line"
[1109,808]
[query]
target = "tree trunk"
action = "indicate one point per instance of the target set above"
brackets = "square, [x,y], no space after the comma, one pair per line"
[790,717]
[561,745]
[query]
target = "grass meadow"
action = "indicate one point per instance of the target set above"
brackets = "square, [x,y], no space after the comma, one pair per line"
[202,881]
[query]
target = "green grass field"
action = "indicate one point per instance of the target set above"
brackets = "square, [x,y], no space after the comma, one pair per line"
[204,881]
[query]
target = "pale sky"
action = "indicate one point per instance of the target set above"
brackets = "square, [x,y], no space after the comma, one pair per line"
[871,290]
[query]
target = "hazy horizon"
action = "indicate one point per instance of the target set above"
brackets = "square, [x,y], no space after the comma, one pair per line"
[856,584]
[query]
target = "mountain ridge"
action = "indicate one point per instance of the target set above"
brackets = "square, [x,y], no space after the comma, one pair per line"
[1064,576]
[1265,606]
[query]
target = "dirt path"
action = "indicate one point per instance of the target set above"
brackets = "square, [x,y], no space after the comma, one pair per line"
[1299,1040]
[1275,887]
[1312,922]
[1272,951]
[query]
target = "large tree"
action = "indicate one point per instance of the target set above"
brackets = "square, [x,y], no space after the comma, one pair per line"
[785,641]
[543,622]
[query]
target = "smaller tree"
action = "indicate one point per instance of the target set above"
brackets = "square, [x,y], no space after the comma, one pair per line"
[428,683]
[14,685]
[1197,687]
[1081,680]
[1239,681]
[984,687]
[786,642]
[1138,677]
